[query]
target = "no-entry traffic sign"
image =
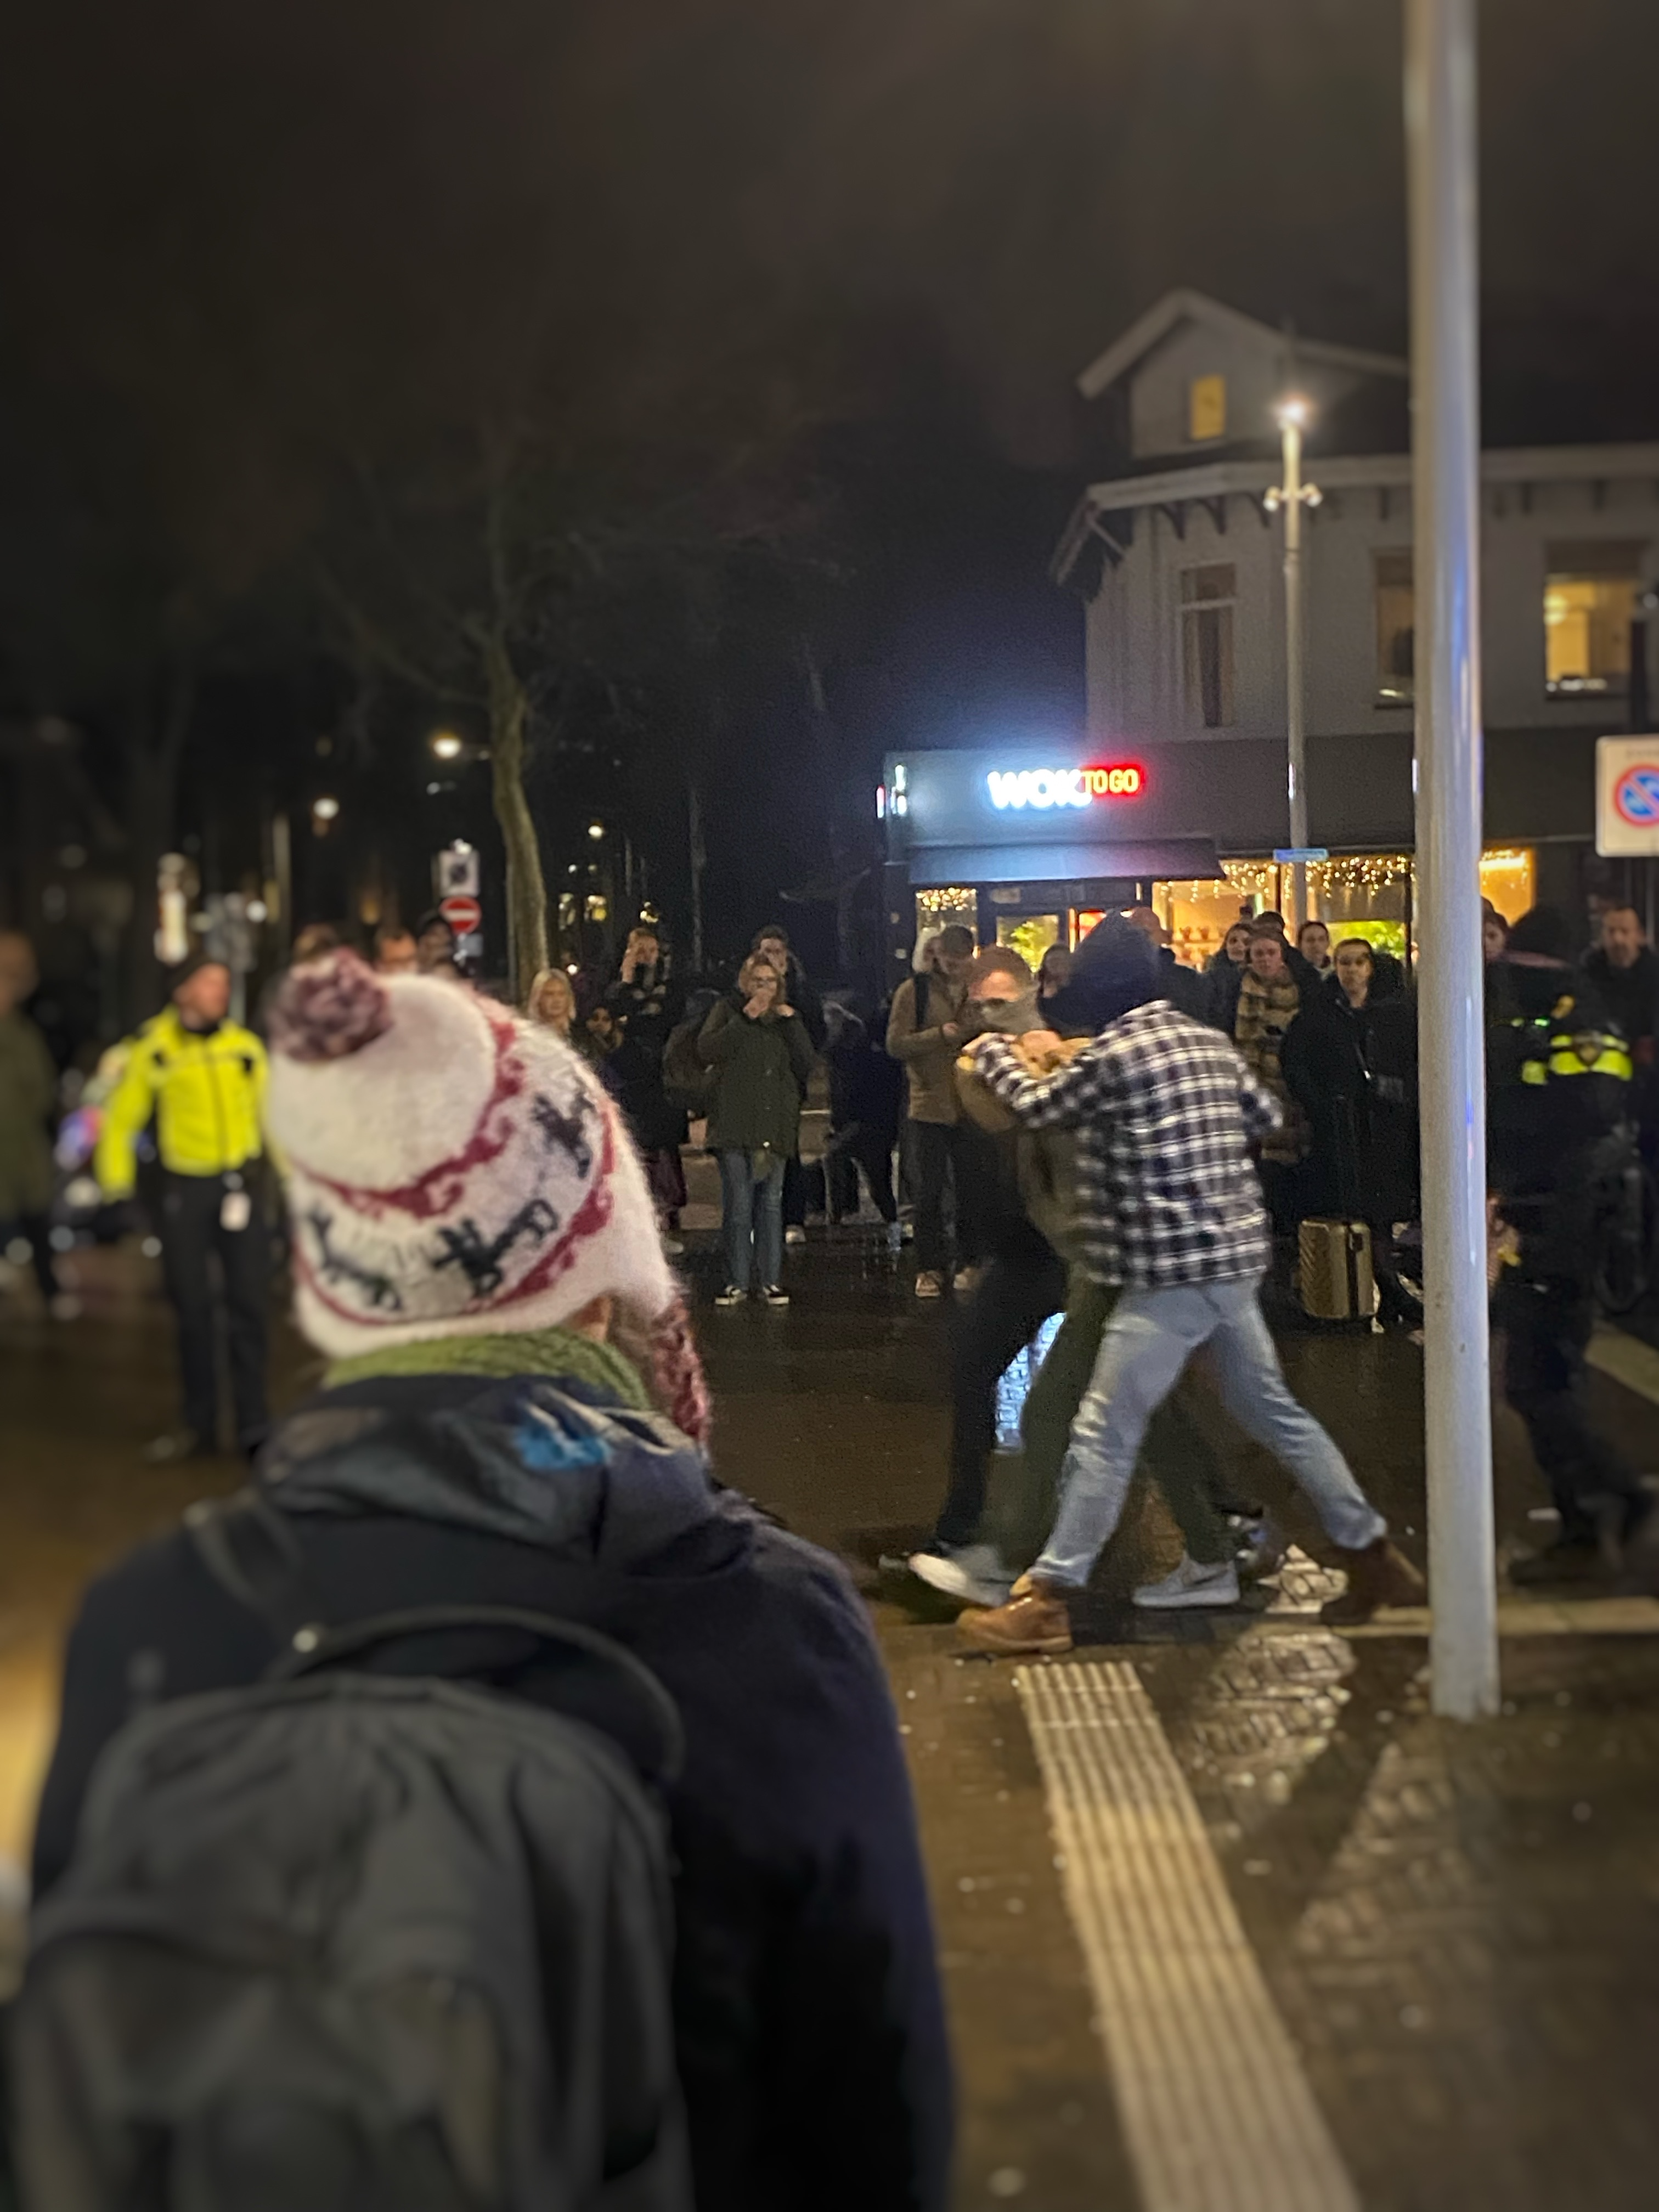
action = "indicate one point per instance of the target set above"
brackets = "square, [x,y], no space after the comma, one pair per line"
[1626,796]
[464,914]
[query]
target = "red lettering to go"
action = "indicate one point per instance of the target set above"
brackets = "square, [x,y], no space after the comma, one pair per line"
[1123,782]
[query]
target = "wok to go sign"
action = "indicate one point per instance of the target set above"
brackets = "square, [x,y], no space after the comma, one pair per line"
[1064,786]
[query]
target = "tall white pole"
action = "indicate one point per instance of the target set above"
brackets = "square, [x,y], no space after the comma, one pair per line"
[1296,733]
[1441,148]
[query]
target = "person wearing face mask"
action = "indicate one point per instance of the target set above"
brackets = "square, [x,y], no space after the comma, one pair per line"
[202,1078]
[1557,1080]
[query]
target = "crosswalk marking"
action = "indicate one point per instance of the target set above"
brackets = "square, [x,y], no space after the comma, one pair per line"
[1217,2112]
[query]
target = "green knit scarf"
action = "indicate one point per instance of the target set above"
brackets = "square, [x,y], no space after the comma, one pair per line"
[559,1352]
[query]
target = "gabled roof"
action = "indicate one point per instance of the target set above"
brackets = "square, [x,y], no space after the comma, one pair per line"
[1184,306]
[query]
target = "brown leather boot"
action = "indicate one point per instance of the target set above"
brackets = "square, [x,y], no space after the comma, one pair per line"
[1378,1576]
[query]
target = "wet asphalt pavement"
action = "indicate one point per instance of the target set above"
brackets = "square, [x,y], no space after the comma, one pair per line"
[1467,1961]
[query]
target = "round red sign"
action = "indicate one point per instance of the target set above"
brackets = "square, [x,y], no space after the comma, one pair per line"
[463,913]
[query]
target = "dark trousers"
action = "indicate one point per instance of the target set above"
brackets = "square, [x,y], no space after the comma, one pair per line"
[35,1229]
[1023,1284]
[1547,1321]
[204,1264]
[942,1152]
[853,1150]
[795,1192]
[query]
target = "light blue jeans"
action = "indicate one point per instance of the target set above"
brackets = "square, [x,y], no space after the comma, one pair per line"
[1148,1340]
[751,1219]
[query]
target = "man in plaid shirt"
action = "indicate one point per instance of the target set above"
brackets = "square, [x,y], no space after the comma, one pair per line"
[1171,1215]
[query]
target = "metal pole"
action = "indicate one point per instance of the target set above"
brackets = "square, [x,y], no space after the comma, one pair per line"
[1441,148]
[1296,735]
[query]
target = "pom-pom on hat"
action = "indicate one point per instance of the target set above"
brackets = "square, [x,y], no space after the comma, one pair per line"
[455,1172]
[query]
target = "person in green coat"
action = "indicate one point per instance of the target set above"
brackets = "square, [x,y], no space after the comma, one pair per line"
[761,1055]
[28,1087]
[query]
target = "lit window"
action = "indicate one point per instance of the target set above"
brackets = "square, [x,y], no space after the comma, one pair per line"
[1206,624]
[1396,637]
[1206,409]
[1590,596]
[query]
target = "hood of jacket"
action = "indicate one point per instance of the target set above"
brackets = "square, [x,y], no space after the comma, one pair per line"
[550,1461]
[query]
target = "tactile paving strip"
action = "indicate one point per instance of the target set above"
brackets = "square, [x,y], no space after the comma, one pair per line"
[1216,2109]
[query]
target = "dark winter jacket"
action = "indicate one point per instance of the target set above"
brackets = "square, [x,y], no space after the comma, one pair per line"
[866,1086]
[809,2027]
[761,1069]
[1354,1074]
[1629,996]
[647,1008]
[1186,991]
[1222,984]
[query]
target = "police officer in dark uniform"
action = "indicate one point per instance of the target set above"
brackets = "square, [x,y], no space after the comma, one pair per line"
[1559,1077]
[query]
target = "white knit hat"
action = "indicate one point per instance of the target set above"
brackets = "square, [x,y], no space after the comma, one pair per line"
[452,1171]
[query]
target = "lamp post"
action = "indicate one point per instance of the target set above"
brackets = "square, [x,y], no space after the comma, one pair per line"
[1441,151]
[1292,495]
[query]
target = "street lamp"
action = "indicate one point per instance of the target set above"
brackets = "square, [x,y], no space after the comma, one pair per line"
[596,829]
[1292,415]
[447,746]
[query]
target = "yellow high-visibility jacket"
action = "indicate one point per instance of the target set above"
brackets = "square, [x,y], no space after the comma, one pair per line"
[206,1092]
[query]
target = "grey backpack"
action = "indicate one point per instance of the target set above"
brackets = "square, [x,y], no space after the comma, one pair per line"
[350,1941]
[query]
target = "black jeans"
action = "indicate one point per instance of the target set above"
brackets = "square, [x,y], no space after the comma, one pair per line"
[1548,1320]
[1023,1284]
[193,1239]
[35,1229]
[850,1150]
[941,1151]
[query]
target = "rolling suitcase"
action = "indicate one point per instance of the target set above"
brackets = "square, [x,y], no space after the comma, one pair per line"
[1335,1277]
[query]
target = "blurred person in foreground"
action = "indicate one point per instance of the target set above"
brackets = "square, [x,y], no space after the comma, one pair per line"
[1170,1214]
[202,1078]
[756,1044]
[514,1415]
[1558,1084]
[28,1090]
[930,1022]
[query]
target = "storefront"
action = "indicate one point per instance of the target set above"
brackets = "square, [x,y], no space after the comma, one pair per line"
[1029,849]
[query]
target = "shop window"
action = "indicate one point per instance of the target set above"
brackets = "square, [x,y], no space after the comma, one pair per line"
[1590,591]
[1207,598]
[1509,878]
[950,903]
[1206,409]
[1030,935]
[1396,636]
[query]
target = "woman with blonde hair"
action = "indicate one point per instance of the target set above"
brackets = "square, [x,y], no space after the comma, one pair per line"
[551,1004]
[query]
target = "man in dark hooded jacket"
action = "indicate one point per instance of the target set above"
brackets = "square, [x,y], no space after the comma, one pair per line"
[513,1417]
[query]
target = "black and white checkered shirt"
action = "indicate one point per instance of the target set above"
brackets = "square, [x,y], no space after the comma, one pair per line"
[1164,1108]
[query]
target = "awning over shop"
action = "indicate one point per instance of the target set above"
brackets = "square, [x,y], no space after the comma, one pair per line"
[1160,858]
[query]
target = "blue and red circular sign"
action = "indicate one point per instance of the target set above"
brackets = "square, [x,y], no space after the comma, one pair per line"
[1636,796]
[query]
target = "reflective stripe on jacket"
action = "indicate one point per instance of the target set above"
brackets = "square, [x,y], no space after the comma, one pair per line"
[206,1091]
[1553,1049]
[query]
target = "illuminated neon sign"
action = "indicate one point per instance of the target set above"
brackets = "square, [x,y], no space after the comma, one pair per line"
[1064,786]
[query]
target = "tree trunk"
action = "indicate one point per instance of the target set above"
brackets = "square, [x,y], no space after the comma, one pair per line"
[526,892]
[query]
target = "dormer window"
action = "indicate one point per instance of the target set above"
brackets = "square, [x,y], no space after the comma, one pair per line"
[1206,409]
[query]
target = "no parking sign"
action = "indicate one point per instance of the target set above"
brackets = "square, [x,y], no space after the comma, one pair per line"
[1626,796]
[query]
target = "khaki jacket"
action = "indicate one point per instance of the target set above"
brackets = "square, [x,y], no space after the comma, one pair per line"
[927,1055]
[1045,1160]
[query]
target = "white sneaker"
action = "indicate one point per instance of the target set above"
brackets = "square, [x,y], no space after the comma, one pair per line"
[930,1284]
[794,1233]
[1191,1585]
[973,1572]
[731,1295]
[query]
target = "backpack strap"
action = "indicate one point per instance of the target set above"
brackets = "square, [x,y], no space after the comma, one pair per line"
[314,1648]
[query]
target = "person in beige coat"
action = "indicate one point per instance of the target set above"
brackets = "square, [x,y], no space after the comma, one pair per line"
[930,1022]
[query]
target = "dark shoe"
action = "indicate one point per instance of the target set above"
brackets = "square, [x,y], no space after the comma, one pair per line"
[1259,1546]
[1378,1575]
[1035,1622]
[731,1295]
[773,1294]
[179,1444]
